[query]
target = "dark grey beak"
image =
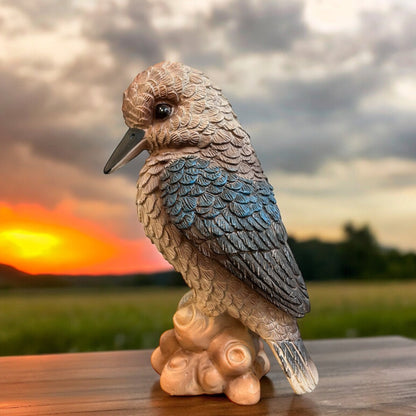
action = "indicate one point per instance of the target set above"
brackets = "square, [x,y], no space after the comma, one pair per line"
[131,145]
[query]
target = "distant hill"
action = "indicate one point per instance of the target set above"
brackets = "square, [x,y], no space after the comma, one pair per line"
[11,278]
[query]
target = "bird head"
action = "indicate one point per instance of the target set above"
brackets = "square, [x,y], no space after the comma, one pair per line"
[171,107]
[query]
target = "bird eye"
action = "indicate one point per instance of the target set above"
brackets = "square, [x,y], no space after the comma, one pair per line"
[163,111]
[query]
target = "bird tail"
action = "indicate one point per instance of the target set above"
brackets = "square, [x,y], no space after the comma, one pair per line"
[297,364]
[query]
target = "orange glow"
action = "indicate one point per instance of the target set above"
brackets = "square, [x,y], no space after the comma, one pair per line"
[37,240]
[30,244]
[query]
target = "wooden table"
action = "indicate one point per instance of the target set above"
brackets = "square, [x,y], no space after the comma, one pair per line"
[364,376]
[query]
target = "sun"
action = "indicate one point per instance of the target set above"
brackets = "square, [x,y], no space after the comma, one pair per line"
[30,244]
[37,240]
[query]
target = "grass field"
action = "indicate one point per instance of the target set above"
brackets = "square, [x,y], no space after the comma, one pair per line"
[47,321]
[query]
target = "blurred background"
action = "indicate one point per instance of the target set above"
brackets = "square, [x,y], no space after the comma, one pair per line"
[327,91]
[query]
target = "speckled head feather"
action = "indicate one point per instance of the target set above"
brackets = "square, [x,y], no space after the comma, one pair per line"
[201,119]
[161,82]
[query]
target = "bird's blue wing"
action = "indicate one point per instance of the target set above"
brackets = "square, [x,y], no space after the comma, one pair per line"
[236,222]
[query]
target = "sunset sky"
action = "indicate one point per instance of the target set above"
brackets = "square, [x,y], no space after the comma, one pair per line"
[326,89]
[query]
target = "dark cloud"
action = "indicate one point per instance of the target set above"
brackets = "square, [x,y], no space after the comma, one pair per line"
[309,98]
[42,14]
[323,97]
[301,143]
[391,134]
[127,30]
[297,145]
[21,101]
[390,36]
[33,114]
[305,123]
[260,26]
[246,26]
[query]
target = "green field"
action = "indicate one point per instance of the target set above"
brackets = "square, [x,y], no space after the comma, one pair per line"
[47,321]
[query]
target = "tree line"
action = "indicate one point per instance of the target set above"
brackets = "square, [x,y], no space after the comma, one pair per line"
[357,256]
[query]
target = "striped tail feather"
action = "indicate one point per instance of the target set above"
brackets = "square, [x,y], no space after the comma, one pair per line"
[297,364]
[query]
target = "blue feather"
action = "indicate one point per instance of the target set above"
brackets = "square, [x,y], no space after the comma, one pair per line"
[184,190]
[190,162]
[246,188]
[206,200]
[175,176]
[221,181]
[273,211]
[176,208]
[189,203]
[237,242]
[197,190]
[164,191]
[201,227]
[256,206]
[219,204]
[193,171]
[202,163]
[174,188]
[234,221]
[242,198]
[234,185]
[203,210]
[188,179]
[200,180]
[169,200]
[241,210]
[228,195]
[252,221]
[265,217]
[215,190]
[214,229]
[223,224]
[176,165]
[260,220]
[176,219]
[212,174]
[187,221]
[212,213]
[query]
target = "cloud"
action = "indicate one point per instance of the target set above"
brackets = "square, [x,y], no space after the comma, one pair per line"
[390,34]
[300,124]
[394,134]
[260,26]
[327,97]
[44,14]
[310,96]
[377,192]
[127,30]
[32,113]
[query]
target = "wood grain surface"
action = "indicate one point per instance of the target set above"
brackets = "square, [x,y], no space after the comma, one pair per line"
[364,376]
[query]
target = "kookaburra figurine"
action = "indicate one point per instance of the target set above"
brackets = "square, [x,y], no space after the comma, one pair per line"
[207,205]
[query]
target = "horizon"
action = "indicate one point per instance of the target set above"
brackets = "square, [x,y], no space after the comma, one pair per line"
[326,90]
[165,267]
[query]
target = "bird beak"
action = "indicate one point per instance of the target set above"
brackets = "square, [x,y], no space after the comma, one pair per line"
[131,145]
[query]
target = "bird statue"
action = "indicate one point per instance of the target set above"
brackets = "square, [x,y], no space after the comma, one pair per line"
[207,205]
